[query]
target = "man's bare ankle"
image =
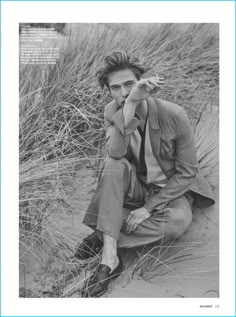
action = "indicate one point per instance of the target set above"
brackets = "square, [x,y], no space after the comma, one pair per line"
[111,262]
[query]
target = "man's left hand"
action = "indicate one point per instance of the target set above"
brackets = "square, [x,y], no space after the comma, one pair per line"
[134,219]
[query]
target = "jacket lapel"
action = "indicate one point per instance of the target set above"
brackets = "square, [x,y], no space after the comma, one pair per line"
[154,130]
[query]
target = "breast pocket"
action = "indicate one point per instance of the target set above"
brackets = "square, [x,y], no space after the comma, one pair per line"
[167,149]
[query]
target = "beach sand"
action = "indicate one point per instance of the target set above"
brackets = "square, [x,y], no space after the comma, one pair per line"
[188,267]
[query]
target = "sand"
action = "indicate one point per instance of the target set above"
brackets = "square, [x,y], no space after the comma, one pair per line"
[189,267]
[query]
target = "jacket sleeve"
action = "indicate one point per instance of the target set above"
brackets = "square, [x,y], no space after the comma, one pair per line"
[186,167]
[117,136]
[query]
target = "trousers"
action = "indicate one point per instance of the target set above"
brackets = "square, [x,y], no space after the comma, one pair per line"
[120,186]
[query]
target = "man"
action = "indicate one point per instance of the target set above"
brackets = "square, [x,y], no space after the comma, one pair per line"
[151,167]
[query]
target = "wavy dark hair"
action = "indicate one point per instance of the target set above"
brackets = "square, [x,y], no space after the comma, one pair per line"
[118,60]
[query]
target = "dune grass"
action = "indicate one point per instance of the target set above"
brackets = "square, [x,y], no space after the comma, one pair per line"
[61,110]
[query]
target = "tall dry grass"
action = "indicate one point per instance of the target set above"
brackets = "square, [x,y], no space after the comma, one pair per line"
[61,106]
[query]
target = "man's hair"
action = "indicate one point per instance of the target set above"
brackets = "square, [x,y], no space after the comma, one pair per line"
[116,61]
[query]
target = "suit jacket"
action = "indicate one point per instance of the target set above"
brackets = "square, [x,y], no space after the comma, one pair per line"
[173,146]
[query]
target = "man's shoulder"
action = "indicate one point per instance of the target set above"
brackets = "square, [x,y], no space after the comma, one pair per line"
[168,113]
[168,106]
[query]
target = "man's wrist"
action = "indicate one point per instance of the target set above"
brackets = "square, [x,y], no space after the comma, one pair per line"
[148,210]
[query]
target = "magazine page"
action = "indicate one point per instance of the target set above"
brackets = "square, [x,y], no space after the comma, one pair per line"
[114,123]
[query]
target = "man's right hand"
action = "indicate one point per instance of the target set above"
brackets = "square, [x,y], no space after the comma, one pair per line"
[144,88]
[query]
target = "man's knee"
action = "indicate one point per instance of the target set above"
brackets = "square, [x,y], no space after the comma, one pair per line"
[120,171]
[179,221]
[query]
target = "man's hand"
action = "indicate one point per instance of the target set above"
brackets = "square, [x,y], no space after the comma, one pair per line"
[134,219]
[144,88]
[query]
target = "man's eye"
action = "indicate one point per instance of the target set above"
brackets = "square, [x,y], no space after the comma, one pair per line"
[115,88]
[129,84]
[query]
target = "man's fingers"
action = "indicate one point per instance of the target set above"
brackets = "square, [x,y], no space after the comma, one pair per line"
[154,82]
[131,223]
[159,80]
[159,77]
[134,219]
[144,83]
[155,86]
[128,224]
[128,219]
[131,228]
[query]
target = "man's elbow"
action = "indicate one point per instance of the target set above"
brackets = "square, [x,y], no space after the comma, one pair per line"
[191,174]
[115,153]
[188,171]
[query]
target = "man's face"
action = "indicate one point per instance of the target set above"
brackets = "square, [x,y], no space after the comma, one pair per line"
[120,84]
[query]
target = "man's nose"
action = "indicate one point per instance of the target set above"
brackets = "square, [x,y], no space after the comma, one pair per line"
[124,92]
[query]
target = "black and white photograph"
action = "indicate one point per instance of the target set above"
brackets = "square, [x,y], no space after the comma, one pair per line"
[119,160]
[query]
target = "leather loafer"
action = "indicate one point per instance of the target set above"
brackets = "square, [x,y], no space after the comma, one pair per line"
[98,283]
[89,247]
